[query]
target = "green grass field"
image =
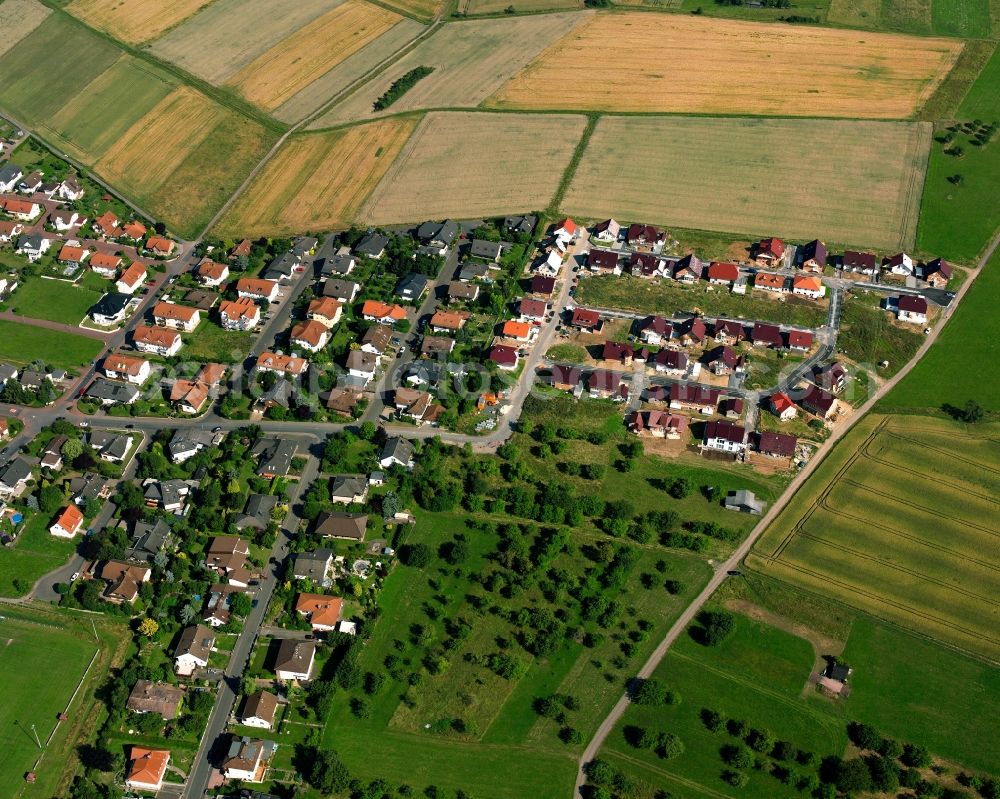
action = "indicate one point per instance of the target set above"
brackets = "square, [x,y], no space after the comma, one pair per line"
[948,373]
[666,297]
[964,18]
[213,343]
[36,553]
[868,335]
[21,344]
[757,674]
[57,300]
[899,521]
[86,125]
[36,86]
[957,221]
[42,665]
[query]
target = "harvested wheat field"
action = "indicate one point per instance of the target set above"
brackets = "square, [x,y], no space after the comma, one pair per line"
[134,21]
[318,180]
[223,38]
[359,63]
[471,60]
[673,63]
[18,18]
[852,182]
[156,145]
[473,164]
[277,75]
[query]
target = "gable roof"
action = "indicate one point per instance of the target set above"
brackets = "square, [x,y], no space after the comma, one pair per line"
[777,444]
[815,250]
[723,271]
[170,310]
[912,304]
[342,525]
[322,610]
[158,336]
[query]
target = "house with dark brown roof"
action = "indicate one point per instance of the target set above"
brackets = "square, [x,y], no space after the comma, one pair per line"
[812,256]
[565,378]
[800,340]
[644,236]
[727,331]
[617,351]
[671,362]
[777,445]
[654,330]
[345,526]
[604,261]
[691,331]
[937,273]
[765,335]
[861,262]
[543,284]
[586,320]
[724,436]
[258,710]
[294,660]
[155,697]
[820,402]
[658,424]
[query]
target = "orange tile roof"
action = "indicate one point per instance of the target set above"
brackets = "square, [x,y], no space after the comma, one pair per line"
[170,310]
[124,364]
[380,310]
[211,373]
[238,309]
[192,392]
[104,261]
[769,281]
[321,610]
[568,225]
[781,402]
[161,337]
[147,766]
[71,518]
[71,253]
[106,221]
[255,285]
[513,329]
[18,206]
[134,229]
[324,306]
[807,283]
[159,244]
[311,332]
[212,270]
[134,275]
[450,320]
[282,363]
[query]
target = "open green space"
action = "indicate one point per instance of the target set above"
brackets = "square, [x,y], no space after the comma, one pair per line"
[868,335]
[42,666]
[667,297]
[758,675]
[899,521]
[36,553]
[36,85]
[22,343]
[949,374]
[959,217]
[58,300]
[964,18]
[211,342]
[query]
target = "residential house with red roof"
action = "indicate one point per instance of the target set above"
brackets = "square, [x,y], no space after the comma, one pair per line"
[768,252]
[781,405]
[179,317]
[157,340]
[241,314]
[68,523]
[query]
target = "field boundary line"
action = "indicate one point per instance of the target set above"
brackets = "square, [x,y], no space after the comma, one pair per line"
[685,781]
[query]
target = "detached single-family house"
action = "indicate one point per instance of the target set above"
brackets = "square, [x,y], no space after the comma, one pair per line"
[155,697]
[726,331]
[911,309]
[658,424]
[722,360]
[133,230]
[348,489]
[107,224]
[146,768]
[462,292]
[193,649]
[258,710]
[14,477]
[566,378]
[343,290]
[688,269]
[372,245]
[724,436]
[108,392]
[765,335]
[448,321]
[8,230]
[157,340]
[73,255]
[436,346]
[376,340]
[68,523]
[177,317]
[324,310]
[723,274]
[899,264]
[314,566]
[543,284]
[504,357]
[289,365]
[654,330]
[607,231]
[820,402]
[604,384]
[781,405]
[411,287]
[64,221]
[375,311]
[808,286]
[604,262]
[768,281]
[937,273]
[438,235]
[159,246]
[693,396]
[310,335]
[322,612]
[105,265]
[671,362]
[566,230]
[486,250]
[691,331]
[777,445]
[33,246]
[211,273]
[294,660]
[862,263]
[254,288]
[518,331]
[125,367]
[10,176]
[361,364]
[132,278]
[241,314]
[644,236]
[22,210]
[587,320]
[799,340]
[743,501]
[344,526]
[247,759]
[768,252]
[124,580]
[831,376]
[396,452]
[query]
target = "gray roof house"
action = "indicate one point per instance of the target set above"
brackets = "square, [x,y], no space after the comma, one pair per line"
[438,234]
[257,512]
[743,501]
[472,271]
[349,488]
[372,245]
[412,286]
[343,290]
[110,308]
[14,478]
[313,565]
[519,224]
[275,457]
[487,250]
[108,392]
[149,539]
[348,526]
[396,450]
[341,264]
[281,268]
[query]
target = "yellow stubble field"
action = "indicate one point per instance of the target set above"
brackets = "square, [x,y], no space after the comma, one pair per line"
[468,164]
[637,62]
[281,72]
[318,180]
[134,21]
[18,18]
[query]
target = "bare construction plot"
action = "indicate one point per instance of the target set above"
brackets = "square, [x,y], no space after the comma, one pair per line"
[671,63]
[134,21]
[474,164]
[18,18]
[901,520]
[276,76]
[223,38]
[471,60]
[852,182]
[317,180]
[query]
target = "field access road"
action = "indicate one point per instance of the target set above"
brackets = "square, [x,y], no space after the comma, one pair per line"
[734,560]
[225,699]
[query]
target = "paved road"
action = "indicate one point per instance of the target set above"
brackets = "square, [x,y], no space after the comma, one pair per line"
[736,558]
[201,768]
